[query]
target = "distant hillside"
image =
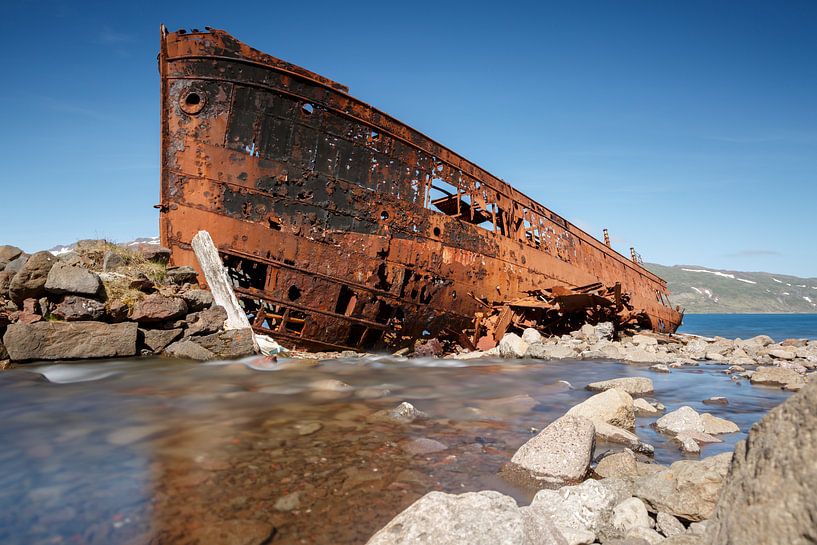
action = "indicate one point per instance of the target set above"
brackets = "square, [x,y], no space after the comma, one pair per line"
[708,291]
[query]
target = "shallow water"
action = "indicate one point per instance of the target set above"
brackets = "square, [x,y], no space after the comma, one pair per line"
[159,451]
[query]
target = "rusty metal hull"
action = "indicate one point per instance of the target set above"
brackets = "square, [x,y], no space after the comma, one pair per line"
[342,227]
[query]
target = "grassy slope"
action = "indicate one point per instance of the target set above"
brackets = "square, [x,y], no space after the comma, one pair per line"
[719,294]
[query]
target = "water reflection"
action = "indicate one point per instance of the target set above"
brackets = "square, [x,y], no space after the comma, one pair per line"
[171,452]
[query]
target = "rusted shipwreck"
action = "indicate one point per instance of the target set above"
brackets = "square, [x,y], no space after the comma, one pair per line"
[343,228]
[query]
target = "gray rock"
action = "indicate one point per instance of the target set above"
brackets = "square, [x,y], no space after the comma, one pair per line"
[16,264]
[682,419]
[620,464]
[611,406]
[197,299]
[716,400]
[631,385]
[473,518]
[158,308]
[630,514]
[7,254]
[29,282]
[560,453]
[687,489]
[187,349]
[181,275]
[65,278]
[647,534]
[112,261]
[544,351]
[608,433]
[512,346]
[74,308]
[157,340]
[206,322]
[155,253]
[668,525]
[404,413]
[287,503]
[70,340]
[769,497]
[776,376]
[233,343]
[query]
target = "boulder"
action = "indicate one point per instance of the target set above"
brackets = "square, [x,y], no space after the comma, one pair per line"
[74,308]
[206,322]
[582,512]
[544,351]
[30,281]
[682,419]
[157,340]
[112,260]
[608,433]
[155,253]
[158,308]
[696,349]
[687,489]
[643,407]
[429,348]
[531,335]
[70,340]
[187,349]
[782,354]
[646,535]
[197,299]
[560,453]
[630,514]
[472,518]
[620,464]
[512,346]
[769,497]
[5,280]
[714,425]
[687,443]
[16,264]
[668,525]
[233,343]
[181,275]
[631,385]
[611,406]
[644,340]
[776,376]
[8,254]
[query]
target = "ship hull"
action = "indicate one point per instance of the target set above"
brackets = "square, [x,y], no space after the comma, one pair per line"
[341,227]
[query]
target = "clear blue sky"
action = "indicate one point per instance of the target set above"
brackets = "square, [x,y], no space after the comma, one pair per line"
[689,129]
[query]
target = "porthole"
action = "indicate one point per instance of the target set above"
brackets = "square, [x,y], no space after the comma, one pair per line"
[192,102]
[437,231]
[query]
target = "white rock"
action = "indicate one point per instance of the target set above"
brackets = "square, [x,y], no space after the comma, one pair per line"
[620,464]
[644,408]
[782,354]
[776,376]
[544,351]
[687,443]
[644,340]
[560,453]
[668,525]
[631,385]
[611,406]
[660,368]
[613,434]
[629,514]
[683,418]
[647,534]
[714,425]
[512,346]
[531,335]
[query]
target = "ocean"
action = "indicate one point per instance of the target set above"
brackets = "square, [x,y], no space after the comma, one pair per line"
[731,326]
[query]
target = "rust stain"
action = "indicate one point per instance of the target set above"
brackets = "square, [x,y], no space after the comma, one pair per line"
[343,228]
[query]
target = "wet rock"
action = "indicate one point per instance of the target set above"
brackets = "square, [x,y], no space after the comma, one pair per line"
[404,413]
[74,308]
[660,368]
[620,464]
[560,453]
[187,349]
[544,351]
[231,532]
[155,253]
[631,385]
[8,254]
[158,308]
[643,407]
[30,281]
[428,349]
[508,406]
[70,340]
[287,503]
[512,346]
[582,512]
[205,322]
[682,419]
[233,343]
[776,376]
[181,275]
[308,428]
[668,525]
[716,400]
[687,489]
[197,299]
[770,495]
[611,406]
[423,445]
[157,339]
[630,514]
[613,434]
[473,518]
[714,425]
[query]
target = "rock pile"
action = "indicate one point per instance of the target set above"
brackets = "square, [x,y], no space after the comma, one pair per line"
[102,301]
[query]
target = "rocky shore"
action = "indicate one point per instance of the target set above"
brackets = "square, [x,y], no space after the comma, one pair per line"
[102,300]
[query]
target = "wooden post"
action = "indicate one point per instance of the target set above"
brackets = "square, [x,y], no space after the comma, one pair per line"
[219,282]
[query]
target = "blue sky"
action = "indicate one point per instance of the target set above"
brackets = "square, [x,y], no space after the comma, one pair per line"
[689,129]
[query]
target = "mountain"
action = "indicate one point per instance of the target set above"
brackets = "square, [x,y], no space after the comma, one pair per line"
[702,290]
